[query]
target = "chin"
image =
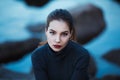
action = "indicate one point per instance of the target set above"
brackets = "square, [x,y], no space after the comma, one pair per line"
[56,50]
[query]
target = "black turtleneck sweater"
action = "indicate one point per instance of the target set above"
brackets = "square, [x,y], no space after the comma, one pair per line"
[70,63]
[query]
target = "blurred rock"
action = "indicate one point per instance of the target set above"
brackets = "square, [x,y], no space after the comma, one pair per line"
[92,69]
[113,56]
[36,28]
[89,22]
[111,77]
[118,1]
[36,3]
[11,75]
[12,51]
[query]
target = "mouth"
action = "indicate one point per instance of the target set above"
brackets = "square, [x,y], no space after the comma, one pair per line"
[57,46]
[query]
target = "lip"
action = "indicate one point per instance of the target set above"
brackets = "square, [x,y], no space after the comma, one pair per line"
[57,46]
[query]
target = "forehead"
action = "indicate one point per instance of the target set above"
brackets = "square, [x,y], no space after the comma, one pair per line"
[58,25]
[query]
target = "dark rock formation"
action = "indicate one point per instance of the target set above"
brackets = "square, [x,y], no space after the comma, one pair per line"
[11,51]
[36,28]
[113,56]
[111,77]
[36,3]
[118,1]
[89,22]
[11,75]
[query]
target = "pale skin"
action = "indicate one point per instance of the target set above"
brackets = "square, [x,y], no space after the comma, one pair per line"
[58,34]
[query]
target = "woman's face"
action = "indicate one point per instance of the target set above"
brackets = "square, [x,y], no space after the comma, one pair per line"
[58,35]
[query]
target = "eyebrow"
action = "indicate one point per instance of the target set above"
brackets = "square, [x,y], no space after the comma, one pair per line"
[62,32]
[52,30]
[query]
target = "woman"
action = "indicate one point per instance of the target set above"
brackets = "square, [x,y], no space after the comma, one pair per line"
[61,58]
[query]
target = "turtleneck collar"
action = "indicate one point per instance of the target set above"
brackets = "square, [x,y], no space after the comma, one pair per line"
[63,52]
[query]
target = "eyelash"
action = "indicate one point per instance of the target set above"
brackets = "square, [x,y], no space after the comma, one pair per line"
[52,33]
[64,34]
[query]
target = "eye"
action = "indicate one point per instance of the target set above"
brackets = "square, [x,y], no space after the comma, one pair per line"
[64,34]
[51,32]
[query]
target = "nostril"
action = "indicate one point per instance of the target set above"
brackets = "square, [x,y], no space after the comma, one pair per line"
[57,39]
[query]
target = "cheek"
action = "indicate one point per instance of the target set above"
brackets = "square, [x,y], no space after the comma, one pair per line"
[65,39]
[49,37]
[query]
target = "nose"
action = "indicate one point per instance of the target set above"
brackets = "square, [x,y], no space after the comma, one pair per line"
[57,39]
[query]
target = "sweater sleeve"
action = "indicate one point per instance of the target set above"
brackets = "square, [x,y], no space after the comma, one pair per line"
[39,66]
[81,69]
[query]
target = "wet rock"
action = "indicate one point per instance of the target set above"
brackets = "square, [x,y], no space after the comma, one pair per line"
[92,69]
[113,56]
[36,28]
[6,74]
[118,1]
[12,51]
[89,22]
[36,3]
[111,77]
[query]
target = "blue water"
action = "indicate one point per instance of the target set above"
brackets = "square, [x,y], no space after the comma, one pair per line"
[15,16]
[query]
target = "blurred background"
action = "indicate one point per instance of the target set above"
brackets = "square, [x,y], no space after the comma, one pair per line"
[22,23]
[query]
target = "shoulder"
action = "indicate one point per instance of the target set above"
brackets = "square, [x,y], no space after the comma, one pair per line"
[39,56]
[79,50]
[82,55]
[40,51]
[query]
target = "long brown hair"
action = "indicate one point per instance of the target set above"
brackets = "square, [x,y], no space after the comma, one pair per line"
[61,14]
